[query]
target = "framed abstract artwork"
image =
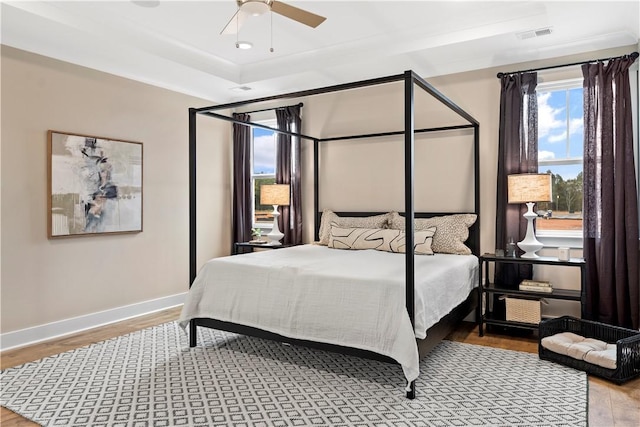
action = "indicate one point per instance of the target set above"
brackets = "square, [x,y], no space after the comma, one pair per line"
[94,185]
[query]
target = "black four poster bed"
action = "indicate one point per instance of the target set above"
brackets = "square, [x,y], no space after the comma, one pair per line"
[436,332]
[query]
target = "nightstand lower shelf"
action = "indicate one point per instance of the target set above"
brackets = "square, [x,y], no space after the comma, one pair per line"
[490,320]
[565,294]
[242,247]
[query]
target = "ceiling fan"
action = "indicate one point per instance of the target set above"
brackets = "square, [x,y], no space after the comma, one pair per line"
[247,8]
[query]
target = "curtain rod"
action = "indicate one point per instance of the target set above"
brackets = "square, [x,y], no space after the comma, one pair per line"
[274,108]
[632,55]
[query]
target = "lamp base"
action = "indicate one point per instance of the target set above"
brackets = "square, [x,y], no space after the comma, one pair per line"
[275,235]
[530,245]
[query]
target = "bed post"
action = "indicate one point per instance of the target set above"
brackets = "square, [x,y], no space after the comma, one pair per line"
[316,197]
[192,195]
[408,205]
[192,213]
[476,157]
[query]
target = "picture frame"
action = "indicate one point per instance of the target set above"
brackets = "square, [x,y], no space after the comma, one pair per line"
[94,185]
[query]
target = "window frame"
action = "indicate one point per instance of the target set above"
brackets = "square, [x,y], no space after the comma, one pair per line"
[560,238]
[272,123]
[574,239]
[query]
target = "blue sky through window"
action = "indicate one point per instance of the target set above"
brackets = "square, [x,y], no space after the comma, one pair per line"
[264,151]
[560,130]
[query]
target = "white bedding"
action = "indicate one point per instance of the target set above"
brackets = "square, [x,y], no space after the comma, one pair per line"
[346,297]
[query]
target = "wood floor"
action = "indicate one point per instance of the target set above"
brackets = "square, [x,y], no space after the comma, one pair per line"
[609,405]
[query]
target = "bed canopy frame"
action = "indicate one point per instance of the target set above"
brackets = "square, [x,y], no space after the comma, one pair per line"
[411,81]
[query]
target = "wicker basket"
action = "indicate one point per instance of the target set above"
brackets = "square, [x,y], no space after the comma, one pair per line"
[523,310]
[627,342]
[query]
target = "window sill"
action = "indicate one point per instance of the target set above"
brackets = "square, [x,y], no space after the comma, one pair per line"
[560,239]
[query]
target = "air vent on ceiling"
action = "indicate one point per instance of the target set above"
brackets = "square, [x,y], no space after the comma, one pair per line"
[241,89]
[534,33]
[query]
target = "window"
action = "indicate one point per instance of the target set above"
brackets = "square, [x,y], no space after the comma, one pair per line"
[263,171]
[560,152]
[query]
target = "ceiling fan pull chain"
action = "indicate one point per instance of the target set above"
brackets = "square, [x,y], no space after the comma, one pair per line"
[238,28]
[271,15]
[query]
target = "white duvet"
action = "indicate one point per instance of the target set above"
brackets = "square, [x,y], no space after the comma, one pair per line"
[346,297]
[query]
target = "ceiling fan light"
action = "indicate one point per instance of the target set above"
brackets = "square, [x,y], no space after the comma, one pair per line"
[244,45]
[255,8]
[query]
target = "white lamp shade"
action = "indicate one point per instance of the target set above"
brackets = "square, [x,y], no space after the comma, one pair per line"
[529,187]
[275,194]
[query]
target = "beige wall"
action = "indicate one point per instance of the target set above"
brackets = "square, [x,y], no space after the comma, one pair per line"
[438,184]
[45,280]
[50,280]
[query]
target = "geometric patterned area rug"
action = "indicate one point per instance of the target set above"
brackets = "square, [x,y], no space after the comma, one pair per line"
[152,378]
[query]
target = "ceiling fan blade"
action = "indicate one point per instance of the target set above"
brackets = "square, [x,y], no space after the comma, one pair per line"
[235,23]
[292,12]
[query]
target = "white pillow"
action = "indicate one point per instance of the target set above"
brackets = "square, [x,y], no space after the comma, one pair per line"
[379,239]
[329,217]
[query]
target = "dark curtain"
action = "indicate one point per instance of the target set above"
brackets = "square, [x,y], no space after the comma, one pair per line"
[242,220]
[517,153]
[288,172]
[610,208]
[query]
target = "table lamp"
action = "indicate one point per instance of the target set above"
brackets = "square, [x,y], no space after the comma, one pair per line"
[529,188]
[276,195]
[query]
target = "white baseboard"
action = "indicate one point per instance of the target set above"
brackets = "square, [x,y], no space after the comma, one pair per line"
[60,328]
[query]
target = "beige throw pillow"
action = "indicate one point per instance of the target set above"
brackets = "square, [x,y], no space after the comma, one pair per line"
[451,231]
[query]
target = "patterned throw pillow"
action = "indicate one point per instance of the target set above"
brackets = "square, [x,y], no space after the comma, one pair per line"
[452,231]
[329,217]
[380,239]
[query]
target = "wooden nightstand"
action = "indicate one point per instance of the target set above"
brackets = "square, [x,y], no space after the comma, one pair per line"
[244,247]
